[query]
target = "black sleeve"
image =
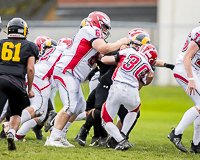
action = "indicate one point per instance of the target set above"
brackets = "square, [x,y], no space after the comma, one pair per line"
[92,73]
[117,57]
[92,40]
[170,66]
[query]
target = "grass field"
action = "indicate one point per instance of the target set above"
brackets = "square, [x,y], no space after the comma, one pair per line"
[162,108]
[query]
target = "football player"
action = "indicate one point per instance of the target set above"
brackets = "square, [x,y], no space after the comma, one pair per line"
[42,85]
[97,98]
[127,79]
[17,57]
[186,74]
[74,66]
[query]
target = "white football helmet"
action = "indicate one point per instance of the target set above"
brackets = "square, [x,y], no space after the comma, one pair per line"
[65,41]
[99,19]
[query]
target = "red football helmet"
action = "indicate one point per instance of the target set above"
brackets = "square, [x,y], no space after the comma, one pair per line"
[135,31]
[39,40]
[65,41]
[149,52]
[98,19]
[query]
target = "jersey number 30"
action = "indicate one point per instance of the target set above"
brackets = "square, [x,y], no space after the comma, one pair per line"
[7,52]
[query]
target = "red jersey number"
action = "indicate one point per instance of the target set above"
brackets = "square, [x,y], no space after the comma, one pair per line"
[131,63]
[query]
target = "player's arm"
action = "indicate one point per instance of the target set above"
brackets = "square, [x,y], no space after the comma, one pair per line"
[192,49]
[149,78]
[30,75]
[161,63]
[102,47]
[111,60]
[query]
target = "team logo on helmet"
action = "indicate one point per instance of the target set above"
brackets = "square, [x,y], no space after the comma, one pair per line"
[149,52]
[99,19]
[65,41]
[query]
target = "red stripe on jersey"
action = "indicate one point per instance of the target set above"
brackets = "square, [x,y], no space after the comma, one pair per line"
[37,87]
[46,86]
[106,117]
[60,79]
[83,48]
[137,109]
[50,72]
[121,59]
[181,78]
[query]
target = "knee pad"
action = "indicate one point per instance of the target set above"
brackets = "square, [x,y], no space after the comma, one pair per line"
[69,111]
[96,114]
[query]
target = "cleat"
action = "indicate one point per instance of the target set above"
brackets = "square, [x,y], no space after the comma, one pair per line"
[38,133]
[66,142]
[76,137]
[111,143]
[11,142]
[82,136]
[123,145]
[95,141]
[103,141]
[50,120]
[176,140]
[195,148]
[2,134]
[57,142]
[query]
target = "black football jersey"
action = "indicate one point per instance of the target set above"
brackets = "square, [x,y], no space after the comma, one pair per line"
[14,54]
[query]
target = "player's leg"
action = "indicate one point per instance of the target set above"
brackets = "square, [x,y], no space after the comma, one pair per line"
[5,116]
[69,88]
[109,111]
[191,114]
[36,103]
[28,125]
[195,144]
[52,96]
[114,100]
[38,128]
[16,99]
[89,108]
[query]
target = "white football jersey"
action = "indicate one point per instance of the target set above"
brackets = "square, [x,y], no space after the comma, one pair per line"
[193,36]
[80,56]
[132,68]
[45,66]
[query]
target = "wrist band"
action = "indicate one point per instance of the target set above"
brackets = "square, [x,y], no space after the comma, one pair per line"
[191,78]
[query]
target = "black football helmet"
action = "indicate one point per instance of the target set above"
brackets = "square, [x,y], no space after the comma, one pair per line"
[140,39]
[17,28]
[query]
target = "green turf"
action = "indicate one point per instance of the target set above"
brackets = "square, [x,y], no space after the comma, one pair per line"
[161,109]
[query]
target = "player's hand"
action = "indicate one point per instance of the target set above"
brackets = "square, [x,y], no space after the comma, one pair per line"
[31,94]
[150,75]
[149,78]
[191,87]
[124,47]
[125,40]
